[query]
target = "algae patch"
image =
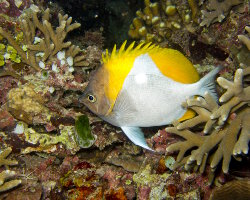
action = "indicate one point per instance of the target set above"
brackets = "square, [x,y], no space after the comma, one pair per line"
[85,138]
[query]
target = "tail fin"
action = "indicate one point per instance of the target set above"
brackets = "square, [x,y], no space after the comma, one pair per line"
[207,83]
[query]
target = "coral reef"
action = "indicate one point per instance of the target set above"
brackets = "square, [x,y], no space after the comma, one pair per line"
[226,127]
[37,50]
[44,124]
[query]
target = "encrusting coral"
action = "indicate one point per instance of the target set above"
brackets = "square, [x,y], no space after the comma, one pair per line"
[48,143]
[7,174]
[24,104]
[227,129]
[237,189]
[36,51]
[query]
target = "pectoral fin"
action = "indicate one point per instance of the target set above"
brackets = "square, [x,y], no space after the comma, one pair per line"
[136,136]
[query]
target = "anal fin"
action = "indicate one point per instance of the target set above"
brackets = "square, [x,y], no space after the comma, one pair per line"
[136,135]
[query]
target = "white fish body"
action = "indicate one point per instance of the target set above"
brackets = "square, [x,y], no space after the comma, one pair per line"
[148,98]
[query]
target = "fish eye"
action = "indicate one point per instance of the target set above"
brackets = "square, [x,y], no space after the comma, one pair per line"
[91,98]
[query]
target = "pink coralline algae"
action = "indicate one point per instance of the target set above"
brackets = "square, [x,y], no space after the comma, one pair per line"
[6,120]
[6,83]
[143,192]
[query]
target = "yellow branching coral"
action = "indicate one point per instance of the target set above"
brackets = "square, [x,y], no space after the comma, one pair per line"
[44,49]
[225,136]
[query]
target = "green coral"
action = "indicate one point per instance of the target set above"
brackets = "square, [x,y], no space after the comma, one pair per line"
[84,136]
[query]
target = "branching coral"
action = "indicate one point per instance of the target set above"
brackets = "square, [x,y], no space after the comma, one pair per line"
[245,39]
[4,161]
[217,11]
[7,174]
[4,175]
[227,126]
[37,50]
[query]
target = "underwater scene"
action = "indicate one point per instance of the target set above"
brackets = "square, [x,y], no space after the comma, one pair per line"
[124,99]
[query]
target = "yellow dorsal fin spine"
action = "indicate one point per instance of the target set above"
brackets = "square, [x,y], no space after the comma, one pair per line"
[146,46]
[130,47]
[113,52]
[153,46]
[121,50]
[104,58]
[107,55]
[139,46]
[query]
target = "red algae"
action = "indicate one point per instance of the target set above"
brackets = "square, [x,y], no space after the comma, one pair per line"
[116,194]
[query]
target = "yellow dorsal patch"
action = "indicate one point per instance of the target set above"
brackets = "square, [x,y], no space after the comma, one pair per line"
[175,65]
[119,63]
